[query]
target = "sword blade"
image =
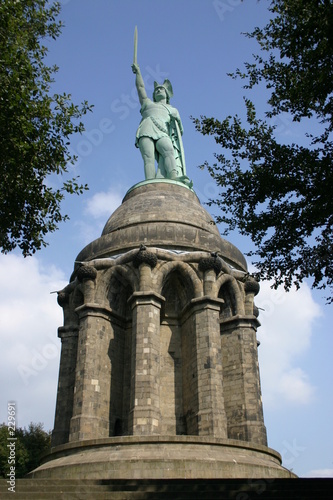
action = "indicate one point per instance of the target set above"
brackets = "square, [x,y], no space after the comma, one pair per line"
[135,60]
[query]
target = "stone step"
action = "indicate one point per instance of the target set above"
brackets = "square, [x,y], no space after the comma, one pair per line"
[71,489]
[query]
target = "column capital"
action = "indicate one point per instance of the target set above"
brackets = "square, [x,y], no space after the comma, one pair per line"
[68,331]
[142,298]
[95,309]
[208,301]
[201,303]
[239,321]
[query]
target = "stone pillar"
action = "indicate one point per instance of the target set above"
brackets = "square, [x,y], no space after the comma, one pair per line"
[211,413]
[66,382]
[145,416]
[251,288]
[93,375]
[241,380]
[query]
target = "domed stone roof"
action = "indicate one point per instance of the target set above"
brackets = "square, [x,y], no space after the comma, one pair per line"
[163,214]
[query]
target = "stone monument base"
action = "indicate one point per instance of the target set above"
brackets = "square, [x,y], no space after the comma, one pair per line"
[166,489]
[157,457]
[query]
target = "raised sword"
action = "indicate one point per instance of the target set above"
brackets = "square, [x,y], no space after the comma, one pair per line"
[135,57]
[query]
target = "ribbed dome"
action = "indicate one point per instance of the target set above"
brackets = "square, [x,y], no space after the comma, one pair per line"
[164,214]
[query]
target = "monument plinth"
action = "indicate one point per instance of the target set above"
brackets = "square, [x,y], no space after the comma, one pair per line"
[159,372]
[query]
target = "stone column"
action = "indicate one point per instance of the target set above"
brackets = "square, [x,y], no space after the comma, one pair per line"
[65,394]
[145,416]
[91,411]
[241,379]
[251,288]
[211,413]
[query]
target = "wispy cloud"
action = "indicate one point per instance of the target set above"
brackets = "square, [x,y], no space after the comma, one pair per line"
[97,210]
[320,473]
[285,335]
[104,203]
[30,349]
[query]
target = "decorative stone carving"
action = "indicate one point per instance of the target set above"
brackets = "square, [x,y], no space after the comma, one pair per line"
[213,262]
[255,311]
[251,285]
[86,273]
[144,256]
[62,299]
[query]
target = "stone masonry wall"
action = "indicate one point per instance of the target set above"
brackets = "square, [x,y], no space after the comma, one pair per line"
[65,396]
[151,358]
[91,410]
[241,381]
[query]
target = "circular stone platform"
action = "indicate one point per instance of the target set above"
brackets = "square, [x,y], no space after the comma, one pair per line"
[161,457]
[163,214]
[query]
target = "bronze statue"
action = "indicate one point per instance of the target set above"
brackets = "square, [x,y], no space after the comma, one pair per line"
[159,133]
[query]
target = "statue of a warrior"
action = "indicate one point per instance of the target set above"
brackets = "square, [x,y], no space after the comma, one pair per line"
[159,134]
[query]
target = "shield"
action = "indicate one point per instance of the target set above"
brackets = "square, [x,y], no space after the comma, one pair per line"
[176,138]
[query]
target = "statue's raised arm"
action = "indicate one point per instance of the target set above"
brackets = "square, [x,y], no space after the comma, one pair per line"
[140,86]
[160,130]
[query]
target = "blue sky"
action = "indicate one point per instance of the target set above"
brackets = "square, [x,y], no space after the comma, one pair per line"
[194,44]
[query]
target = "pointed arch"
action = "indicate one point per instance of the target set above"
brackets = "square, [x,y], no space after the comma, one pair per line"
[185,270]
[119,288]
[119,279]
[178,283]
[116,287]
[229,291]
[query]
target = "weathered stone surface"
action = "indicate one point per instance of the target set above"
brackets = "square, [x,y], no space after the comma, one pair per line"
[165,215]
[241,380]
[144,257]
[159,373]
[162,457]
[186,489]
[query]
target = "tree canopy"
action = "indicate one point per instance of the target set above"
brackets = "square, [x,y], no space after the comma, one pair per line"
[277,193]
[30,446]
[35,127]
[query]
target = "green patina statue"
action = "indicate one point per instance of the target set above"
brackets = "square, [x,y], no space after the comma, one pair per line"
[159,134]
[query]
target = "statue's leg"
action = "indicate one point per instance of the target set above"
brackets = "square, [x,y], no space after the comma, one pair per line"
[165,148]
[147,149]
[161,173]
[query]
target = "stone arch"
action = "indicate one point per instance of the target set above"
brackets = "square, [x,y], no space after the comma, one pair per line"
[185,270]
[114,288]
[177,293]
[118,284]
[228,290]
[178,284]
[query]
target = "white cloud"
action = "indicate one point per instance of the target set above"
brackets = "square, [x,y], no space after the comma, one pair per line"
[285,336]
[320,473]
[30,349]
[98,209]
[88,232]
[295,387]
[103,204]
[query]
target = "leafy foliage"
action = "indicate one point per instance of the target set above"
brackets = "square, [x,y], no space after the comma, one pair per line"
[35,127]
[31,444]
[280,194]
